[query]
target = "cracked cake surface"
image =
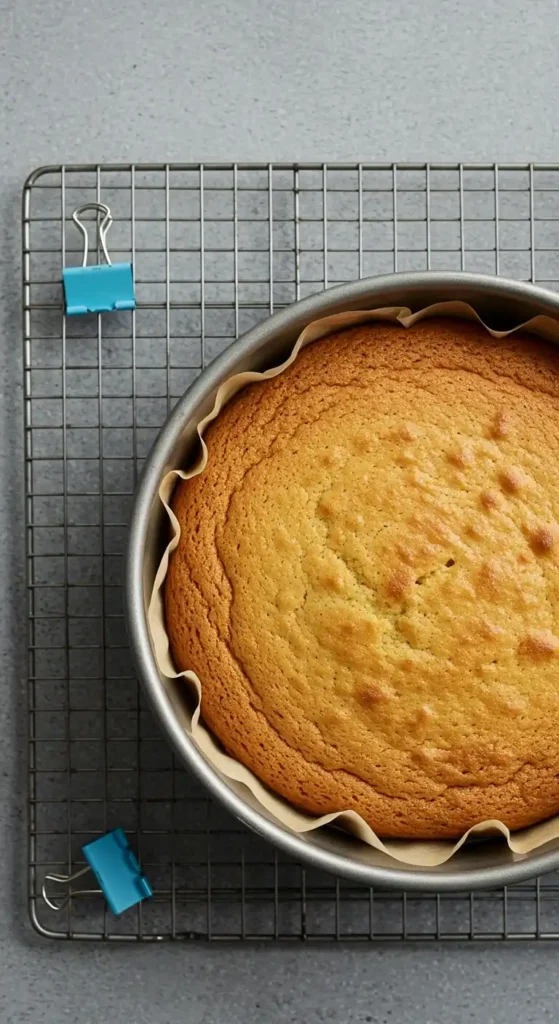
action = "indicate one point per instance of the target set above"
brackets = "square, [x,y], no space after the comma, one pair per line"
[367,578]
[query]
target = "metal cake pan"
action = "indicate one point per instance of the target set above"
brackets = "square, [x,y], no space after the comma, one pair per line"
[502,303]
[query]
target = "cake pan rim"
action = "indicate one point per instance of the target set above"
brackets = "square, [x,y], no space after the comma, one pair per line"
[257,348]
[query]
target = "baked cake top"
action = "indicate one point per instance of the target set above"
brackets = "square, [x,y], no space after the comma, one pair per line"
[367,581]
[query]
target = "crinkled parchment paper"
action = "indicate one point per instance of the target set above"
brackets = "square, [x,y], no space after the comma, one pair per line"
[428,853]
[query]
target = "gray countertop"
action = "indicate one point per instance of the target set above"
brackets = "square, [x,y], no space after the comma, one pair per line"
[246,80]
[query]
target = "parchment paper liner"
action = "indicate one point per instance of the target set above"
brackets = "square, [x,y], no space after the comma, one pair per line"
[425,853]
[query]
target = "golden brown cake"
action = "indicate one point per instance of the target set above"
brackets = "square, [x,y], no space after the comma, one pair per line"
[367,580]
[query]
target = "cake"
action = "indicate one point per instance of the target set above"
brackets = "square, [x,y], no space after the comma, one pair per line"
[367,578]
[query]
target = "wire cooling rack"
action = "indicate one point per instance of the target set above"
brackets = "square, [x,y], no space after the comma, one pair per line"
[216,249]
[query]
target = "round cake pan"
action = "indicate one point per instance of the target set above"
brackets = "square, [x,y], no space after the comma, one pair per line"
[501,303]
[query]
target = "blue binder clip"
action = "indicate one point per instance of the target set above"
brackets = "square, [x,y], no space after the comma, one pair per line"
[102,287]
[116,869]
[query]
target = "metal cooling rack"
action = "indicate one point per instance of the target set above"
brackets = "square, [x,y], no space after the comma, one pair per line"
[216,248]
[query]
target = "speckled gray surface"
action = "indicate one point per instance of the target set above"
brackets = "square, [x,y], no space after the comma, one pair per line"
[246,80]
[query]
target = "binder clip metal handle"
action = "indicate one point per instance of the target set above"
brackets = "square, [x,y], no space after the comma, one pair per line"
[100,287]
[103,228]
[59,902]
